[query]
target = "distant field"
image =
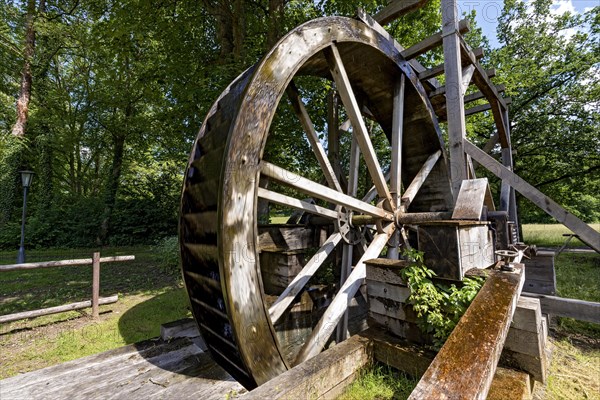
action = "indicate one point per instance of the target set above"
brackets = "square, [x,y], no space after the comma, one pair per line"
[551,235]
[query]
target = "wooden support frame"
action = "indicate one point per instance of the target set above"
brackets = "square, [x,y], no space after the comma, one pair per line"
[397,8]
[477,341]
[572,308]
[454,95]
[432,42]
[587,234]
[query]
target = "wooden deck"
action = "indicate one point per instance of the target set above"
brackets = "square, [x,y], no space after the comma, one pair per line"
[150,370]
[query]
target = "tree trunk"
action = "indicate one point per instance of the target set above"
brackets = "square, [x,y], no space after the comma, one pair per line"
[275,23]
[26,76]
[112,187]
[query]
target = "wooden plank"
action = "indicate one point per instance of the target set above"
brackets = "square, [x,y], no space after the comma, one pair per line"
[469,204]
[432,42]
[411,192]
[319,375]
[414,360]
[312,136]
[62,263]
[484,84]
[416,65]
[285,238]
[95,285]
[185,327]
[344,88]
[336,309]
[586,233]
[572,308]
[510,384]
[55,310]
[320,191]
[397,8]
[289,294]
[528,315]
[454,98]
[389,291]
[397,135]
[465,366]
[284,200]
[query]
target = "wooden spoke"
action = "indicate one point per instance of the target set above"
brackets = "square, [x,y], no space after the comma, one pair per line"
[346,268]
[284,200]
[339,305]
[321,191]
[397,127]
[358,124]
[289,294]
[419,179]
[315,143]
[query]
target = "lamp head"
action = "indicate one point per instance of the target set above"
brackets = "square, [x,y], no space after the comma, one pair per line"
[26,178]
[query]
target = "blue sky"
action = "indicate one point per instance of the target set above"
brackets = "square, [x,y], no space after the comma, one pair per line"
[488,12]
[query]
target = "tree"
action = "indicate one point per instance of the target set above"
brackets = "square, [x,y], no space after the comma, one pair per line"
[550,65]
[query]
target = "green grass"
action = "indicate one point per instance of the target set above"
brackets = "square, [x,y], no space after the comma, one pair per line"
[380,382]
[148,297]
[551,235]
[578,277]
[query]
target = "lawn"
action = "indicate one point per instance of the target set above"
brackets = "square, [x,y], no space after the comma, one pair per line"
[148,297]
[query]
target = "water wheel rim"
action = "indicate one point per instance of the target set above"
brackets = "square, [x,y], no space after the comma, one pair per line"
[237,233]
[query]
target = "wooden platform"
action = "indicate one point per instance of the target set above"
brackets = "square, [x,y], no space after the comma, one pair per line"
[150,370]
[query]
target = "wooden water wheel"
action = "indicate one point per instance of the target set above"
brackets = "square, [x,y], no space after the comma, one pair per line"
[223,186]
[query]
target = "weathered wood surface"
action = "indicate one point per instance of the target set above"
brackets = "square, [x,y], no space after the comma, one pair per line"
[62,263]
[316,377]
[397,8]
[563,307]
[585,232]
[540,275]
[58,309]
[431,42]
[414,360]
[285,238]
[465,366]
[469,203]
[177,369]
[453,247]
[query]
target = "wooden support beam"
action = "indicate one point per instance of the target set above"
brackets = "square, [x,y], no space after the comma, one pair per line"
[414,361]
[324,376]
[454,98]
[397,8]
[431,42]
[412,190]
[572,308]
[585,232]
[481,79]
[465,366]
[55,310]
[416,65]
[96,285]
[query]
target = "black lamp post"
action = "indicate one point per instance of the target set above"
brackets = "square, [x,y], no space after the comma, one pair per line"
[26,180]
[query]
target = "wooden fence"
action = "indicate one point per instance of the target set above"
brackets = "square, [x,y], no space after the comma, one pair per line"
[96,300]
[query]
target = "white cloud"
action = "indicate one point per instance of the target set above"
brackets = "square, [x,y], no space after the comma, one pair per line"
[559,7]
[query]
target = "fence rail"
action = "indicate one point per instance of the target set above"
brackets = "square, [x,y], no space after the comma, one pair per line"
[96,300]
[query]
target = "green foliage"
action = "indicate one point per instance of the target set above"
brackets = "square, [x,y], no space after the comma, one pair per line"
[438,306]
[167,254]
[550,66]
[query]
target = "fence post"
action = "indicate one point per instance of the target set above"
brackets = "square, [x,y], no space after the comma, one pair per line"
[95,284]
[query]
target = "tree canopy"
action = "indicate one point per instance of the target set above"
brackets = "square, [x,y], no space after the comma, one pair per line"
[120,88]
